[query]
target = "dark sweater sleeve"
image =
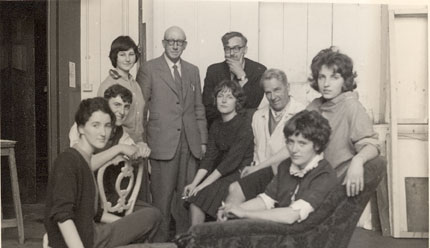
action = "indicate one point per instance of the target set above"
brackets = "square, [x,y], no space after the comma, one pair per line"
[212,151]
[319,187]
[241,149]
[64,192]
[272,188]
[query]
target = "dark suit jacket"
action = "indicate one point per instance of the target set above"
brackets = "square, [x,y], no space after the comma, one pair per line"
[220,71]
[167,114]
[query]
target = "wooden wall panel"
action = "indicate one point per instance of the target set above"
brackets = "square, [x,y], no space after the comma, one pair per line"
[271,47]
[368,63]
[295,38]
[412,72]
[356,32]
[91,46]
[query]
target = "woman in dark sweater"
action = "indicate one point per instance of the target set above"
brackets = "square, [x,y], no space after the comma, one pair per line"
[230,148]
[71,205]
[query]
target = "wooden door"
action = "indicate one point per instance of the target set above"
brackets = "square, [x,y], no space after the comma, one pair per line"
[408,165]
[18,92]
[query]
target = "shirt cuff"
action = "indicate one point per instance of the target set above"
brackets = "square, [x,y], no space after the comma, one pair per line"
[304,209]
[268,201]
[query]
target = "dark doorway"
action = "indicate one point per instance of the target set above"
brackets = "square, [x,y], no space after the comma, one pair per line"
[24,95]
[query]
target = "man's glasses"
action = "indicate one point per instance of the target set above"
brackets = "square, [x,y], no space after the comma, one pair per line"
[178,42]
[235,49]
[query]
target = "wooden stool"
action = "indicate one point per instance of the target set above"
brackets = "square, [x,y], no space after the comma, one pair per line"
[7,149]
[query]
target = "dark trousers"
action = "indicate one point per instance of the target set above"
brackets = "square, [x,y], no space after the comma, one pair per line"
[168,179]
[137,227]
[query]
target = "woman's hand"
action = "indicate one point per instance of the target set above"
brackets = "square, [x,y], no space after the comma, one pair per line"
[187,190]
[235,211]
[248,170]
[354,181]
[197,189]
[129,150]
[144,149]
[222,214]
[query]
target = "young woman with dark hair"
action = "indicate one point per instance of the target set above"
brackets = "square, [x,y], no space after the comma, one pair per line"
[230,148]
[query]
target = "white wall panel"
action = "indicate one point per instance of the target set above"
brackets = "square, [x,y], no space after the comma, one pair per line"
[295,45]
[357,33]
[271,47]
[412,70]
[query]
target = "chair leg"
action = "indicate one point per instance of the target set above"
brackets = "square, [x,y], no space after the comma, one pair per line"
[16,196]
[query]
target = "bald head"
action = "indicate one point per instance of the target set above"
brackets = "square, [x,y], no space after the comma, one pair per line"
[174,32]
[174,43]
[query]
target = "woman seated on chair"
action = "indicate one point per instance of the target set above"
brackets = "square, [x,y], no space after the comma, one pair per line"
[230,148]
[302,181]
[353,141]
[120,146]
[71,201]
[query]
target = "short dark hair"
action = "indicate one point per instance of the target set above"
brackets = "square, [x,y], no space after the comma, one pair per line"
[236,91]
[232,34]
[274,73]
[122,43]
[312,126]
[341,63]
[118,90]
[88,106]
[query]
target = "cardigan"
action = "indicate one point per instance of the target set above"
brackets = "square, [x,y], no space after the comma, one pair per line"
[70,195]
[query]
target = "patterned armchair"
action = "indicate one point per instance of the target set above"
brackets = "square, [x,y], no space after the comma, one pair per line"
[330,226]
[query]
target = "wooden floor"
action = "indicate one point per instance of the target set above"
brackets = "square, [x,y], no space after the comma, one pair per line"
[33,226]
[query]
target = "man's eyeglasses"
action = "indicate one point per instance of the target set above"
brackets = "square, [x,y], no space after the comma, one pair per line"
[178,42]
[235,49]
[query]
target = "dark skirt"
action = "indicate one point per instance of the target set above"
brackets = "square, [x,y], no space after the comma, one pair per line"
[209,199]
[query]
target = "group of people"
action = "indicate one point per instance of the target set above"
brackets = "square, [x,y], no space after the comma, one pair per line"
[241,148]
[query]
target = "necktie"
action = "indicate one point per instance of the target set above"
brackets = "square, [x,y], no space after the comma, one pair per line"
[178,80]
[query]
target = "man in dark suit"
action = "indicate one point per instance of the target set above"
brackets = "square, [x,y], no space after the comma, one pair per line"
[176,127]
[236,67]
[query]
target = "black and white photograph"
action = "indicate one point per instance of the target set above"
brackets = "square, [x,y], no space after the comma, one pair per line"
[214,123]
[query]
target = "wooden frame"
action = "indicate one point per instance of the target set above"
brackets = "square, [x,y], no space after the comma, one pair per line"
[410,126]
[53,135]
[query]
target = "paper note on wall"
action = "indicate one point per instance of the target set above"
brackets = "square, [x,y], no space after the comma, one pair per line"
[72,75]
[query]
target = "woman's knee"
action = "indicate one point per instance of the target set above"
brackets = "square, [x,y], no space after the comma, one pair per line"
[234,188]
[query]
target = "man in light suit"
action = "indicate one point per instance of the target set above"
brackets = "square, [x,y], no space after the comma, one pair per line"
[176,127]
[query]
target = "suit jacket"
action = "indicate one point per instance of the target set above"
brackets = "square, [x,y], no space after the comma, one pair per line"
[266,145]
[220,71]
[167,113]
